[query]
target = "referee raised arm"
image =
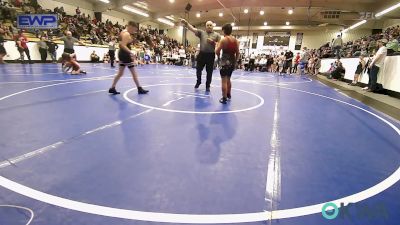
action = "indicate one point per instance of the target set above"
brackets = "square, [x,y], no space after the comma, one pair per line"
[206,57]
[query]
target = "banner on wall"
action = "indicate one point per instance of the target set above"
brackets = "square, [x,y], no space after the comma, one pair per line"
[276,38]
[299,41]
[37,21]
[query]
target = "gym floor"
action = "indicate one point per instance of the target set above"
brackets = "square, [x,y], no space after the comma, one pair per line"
[275,154]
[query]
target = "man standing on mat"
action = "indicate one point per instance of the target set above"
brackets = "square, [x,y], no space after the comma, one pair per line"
[126,57]
[206,56]
[69,42]
[68,45]
[230,55]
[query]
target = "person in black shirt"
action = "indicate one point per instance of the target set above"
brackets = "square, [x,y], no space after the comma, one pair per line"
[127,58]
[3,51]
[359,71]
[52,49]
[288,61]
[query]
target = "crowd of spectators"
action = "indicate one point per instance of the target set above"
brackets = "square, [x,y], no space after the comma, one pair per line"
[365,46]
[170,51]
[92,31]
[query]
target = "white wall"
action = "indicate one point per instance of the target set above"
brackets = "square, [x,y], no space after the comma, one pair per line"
[312,39]
[83,52]
[388,75]
[69,6]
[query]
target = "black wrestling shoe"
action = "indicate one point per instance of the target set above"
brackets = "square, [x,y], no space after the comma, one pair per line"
[83,72]
[223,100]
[113,91]
[207,89]
[229,96]
[142,91]
[197,85]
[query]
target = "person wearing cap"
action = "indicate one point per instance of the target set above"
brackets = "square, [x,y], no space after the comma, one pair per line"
[376,64]
[206,56]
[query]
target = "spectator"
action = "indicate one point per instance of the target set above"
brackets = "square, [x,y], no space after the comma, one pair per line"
[252,61]
[106,58]
[338,71]
[359,71]
[376,65]
[158,53]
[3,51]
[111,51]
[317,65]
[304,57]
[94,57]
[22,47]
[296,62]
[42,44]
[337,45]
[52,49]
[392,46]
[182,55]
[288,61]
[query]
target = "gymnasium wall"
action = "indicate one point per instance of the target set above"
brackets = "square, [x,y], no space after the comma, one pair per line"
[390,23]
[83,52]
[69,6]
[388,75]
[311,38]
[316,38]
[88,8]
[177,32]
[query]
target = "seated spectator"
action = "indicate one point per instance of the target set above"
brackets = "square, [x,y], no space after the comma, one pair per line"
[262,64]
[338,72]
[392,46]
[94,57]
[106,58]
[3,51]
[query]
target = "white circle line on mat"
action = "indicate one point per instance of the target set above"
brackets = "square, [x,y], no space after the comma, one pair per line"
[193,112]
[200,218]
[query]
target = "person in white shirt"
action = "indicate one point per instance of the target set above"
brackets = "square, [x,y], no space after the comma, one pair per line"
[376,65]
[256,62]
[262,63]
[182,55]
[252,61]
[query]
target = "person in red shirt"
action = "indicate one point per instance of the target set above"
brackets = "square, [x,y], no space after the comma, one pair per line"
[296,63]
[70,62]
[23,47]
[230,55]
